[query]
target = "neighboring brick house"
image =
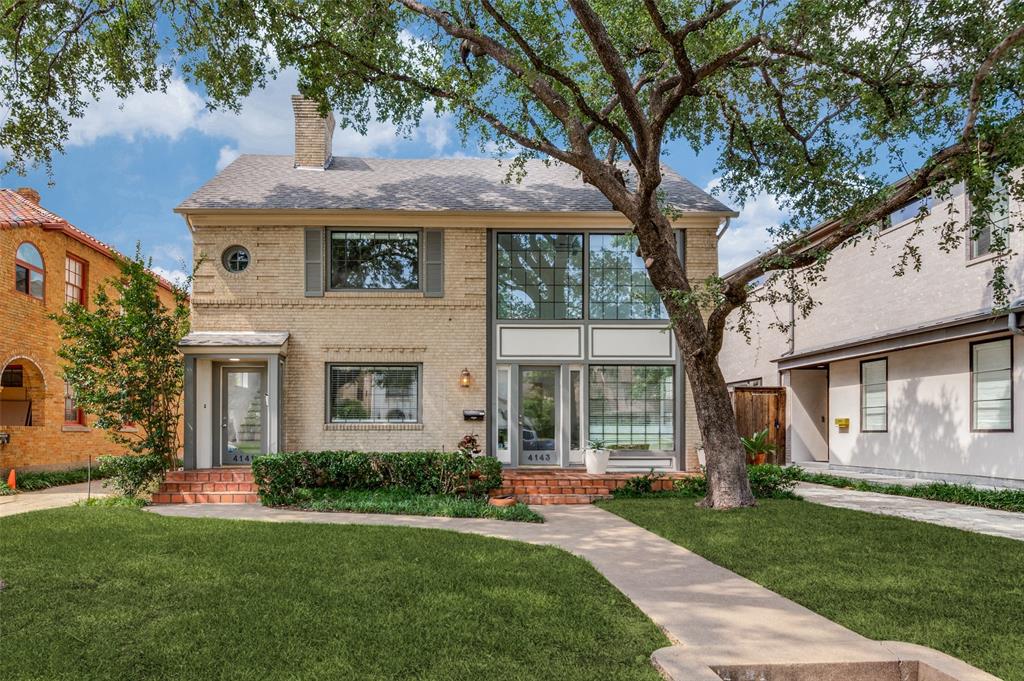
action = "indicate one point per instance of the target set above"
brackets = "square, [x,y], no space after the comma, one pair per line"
[912,375]
[45,261]
[399,304]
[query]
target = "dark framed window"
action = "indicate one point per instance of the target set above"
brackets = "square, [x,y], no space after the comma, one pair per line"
[992,385]
[874,395]
[632,406]
[29,273]
[374,260]
[235,259]
[619,285]
[72,414]
[13,377]
[540,276]
[997,222]
[74,280]
[359,393]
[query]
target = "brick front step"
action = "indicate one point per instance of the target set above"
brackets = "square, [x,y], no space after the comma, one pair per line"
[210,486]
[568,486]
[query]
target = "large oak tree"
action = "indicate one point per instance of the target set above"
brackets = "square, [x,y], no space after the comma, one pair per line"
[823,103]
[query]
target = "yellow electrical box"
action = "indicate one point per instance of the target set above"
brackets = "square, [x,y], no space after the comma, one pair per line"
[843,424]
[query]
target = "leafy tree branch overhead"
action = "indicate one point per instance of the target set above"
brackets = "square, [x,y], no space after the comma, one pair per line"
[821,103]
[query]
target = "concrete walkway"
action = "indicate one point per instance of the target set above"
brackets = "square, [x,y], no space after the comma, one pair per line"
[52,497]
[716,617]
[971,518]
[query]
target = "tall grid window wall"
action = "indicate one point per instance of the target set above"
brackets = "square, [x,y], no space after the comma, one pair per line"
[359,394]
[540,276]
[619,285]
[631,406]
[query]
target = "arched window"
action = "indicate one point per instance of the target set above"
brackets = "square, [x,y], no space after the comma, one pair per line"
[28,270]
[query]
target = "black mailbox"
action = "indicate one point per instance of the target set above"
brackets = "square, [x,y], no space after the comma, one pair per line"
[473,414]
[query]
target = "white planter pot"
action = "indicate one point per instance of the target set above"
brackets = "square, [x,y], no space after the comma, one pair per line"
[597,460]
[702,458]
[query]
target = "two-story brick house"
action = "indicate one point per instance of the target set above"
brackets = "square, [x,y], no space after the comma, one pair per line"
[45,262]
[399,304]
[911,376]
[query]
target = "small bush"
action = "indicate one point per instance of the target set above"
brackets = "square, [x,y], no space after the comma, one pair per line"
[112,502]
[639,486]
[6,491]
[401,501]
[767,481]
[132,476]
[278,476]
[693,486]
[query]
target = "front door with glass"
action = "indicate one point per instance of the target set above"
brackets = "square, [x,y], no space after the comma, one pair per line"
[538,416]
[243,415]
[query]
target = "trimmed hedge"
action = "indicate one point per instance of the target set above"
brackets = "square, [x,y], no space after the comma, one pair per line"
[279,476]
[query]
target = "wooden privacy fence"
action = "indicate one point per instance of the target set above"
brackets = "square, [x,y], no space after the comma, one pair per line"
[760,408]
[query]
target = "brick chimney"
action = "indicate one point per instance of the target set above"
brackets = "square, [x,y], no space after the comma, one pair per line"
[28,193]
[313,134]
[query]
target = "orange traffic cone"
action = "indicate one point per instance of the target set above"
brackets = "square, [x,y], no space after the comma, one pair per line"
[12,480]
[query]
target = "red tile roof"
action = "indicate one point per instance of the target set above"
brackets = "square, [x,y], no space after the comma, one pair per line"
[18,211]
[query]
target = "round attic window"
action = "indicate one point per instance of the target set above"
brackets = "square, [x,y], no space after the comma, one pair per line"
[235,258]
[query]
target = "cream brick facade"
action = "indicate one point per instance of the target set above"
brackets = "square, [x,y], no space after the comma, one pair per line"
[444,335]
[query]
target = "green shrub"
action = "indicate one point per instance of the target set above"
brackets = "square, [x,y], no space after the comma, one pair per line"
[767,481]
[278,476]
[6,491]
[130,475]
[112,502]
[30,481]
[404,502]
[639,486]
[1001,499]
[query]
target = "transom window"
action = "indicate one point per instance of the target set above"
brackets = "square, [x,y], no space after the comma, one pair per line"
[631,407]
[74,281]
[874,396]
[992,385]
[374,260]
[13,377]
[28,271]
[619,285]
[360,394]
[540,276]
[997,222]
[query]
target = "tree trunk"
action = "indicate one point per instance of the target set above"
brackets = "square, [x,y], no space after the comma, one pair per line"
[728,486]
[726,469]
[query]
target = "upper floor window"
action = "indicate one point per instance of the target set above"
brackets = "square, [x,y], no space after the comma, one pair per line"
[72,413]
[358,393]
[540,276]
[28,271]
[74,281]
[911,210]
[874,396]
[619,285]
[992,385]
[235,259]
[997,222]
[374,260]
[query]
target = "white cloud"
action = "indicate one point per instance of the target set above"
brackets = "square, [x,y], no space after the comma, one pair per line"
[174,276]
[264,124]
[748,234]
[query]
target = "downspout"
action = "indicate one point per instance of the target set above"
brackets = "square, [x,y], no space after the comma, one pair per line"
[724,228]
[1013,320]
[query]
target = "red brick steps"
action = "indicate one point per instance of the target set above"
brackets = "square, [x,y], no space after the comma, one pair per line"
[567,485]
[209,486]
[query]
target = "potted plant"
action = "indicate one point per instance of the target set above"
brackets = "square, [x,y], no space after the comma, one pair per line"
[702,457]
[757,447]
[596,457]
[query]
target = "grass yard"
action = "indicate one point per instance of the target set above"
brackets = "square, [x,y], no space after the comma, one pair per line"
[886,578]
[117,593]
[404,502]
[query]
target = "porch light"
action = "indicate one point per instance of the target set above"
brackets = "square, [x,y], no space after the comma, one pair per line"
[234,359]
[465,378]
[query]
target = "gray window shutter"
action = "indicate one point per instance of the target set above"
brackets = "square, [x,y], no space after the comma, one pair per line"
[314,262]
[433,263]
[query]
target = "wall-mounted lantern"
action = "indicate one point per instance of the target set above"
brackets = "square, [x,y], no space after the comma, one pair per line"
[465,378]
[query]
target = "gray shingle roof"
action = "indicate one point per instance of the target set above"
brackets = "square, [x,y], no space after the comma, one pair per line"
[222,339]
[451,184]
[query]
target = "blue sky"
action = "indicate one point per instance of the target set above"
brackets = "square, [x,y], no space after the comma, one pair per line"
[129,163]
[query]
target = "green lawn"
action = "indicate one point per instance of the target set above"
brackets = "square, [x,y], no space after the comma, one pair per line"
[115,593]
[887,578]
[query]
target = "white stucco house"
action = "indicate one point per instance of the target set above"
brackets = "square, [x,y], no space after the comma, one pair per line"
[911,376]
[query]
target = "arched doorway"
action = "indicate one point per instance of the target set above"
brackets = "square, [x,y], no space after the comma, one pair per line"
[22,393]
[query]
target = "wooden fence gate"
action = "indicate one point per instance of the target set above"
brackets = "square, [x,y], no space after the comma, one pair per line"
[760,408]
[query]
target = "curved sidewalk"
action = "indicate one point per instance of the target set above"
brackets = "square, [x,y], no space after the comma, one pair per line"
[715,616]
[51,497]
